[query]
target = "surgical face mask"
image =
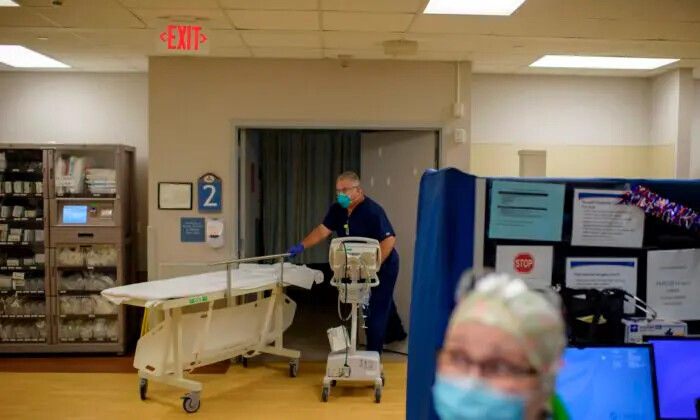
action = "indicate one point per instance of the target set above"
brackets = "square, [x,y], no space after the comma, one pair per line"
[464,398]
[344,200]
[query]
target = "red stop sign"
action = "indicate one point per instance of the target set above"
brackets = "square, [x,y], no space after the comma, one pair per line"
[523,263]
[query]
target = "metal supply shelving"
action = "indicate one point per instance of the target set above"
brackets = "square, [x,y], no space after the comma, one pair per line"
[67,230]
[24,298]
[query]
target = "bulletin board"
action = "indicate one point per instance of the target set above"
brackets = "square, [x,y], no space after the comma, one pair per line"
[658,235]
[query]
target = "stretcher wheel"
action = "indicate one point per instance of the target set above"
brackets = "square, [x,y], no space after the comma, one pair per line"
[190,402]
[244,361]
[143,388]
[293,368]
[334,383]
[377,394]
[325,392]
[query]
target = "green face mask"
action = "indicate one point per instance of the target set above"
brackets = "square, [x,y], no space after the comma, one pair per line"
[344,200]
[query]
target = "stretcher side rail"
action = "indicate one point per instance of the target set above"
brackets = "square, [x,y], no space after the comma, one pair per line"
[237,261]
[200,298]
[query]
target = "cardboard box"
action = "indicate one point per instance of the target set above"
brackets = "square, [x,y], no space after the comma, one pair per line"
[637,328]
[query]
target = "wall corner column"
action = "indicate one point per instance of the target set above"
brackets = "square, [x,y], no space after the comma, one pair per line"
[684,157]
[454,154]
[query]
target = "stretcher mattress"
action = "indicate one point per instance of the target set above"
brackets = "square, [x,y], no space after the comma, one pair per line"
[246,277]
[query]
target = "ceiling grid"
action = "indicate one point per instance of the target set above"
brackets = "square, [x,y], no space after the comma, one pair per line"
[119,35]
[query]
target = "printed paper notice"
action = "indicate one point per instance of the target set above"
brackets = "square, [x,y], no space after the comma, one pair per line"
[526,210]
[673,283]
[603,273]
[533,264]
[600,221]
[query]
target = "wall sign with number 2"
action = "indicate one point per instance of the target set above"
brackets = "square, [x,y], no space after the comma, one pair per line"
[209,193]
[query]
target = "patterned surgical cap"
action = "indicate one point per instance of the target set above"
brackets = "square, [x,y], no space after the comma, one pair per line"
[532,317]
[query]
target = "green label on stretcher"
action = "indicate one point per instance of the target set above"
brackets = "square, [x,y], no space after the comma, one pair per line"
[198,299]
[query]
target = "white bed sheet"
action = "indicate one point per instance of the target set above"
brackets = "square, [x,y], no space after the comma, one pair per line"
[246,277]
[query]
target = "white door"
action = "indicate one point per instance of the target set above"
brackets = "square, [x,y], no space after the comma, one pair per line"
[392,165]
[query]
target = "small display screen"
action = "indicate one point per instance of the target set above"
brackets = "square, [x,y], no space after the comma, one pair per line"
[75,215]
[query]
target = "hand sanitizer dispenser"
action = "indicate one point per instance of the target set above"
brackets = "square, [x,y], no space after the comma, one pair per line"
[215,233]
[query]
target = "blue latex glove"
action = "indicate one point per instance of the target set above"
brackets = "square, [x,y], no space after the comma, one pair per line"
[295,250]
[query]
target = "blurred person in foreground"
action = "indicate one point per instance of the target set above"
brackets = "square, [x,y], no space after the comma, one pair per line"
[502,349]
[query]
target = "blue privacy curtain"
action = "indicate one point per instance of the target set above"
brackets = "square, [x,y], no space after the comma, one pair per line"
[443,251]
[299,168]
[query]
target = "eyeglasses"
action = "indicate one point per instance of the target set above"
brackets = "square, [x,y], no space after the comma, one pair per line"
[488,369]
[346,189]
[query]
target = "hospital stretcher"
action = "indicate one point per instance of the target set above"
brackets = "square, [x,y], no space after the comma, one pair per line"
[246,314]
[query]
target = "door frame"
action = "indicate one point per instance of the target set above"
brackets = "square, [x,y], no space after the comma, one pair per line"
[238,140]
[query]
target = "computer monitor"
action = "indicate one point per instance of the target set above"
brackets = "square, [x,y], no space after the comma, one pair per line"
[608,383]
[677,362]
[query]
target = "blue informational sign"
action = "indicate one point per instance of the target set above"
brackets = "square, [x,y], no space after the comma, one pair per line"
[209,193]
[192,229]
[526,210]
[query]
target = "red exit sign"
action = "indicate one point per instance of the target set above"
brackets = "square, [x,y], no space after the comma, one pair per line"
[183,37]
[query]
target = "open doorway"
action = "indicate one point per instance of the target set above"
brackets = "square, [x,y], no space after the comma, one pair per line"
[286,185]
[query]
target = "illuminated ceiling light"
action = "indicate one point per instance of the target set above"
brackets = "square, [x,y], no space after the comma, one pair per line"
[473,7]
[607,63]
[21,57]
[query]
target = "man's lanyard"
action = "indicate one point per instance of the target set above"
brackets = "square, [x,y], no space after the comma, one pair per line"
[347,227]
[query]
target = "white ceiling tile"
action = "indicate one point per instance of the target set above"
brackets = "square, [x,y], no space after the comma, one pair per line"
[566,28]
[25,36]
[528,27]
[441,24]
[445,43]
[356,54]
[609,47]
[275,20]
[641,30]
[225,38]
[351,21]
[434,56]
[490,57]
[171,4]
[207,18]
[596,9]
[71,3]
[299,39]
[377,6]
[357,40]
[118,37]
[654,10]
[90,15]
[269,4]
[98,64]
[287,53]
[123,43]
[22,17]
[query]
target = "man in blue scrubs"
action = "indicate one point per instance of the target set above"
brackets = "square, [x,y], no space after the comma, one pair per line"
[355,214]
